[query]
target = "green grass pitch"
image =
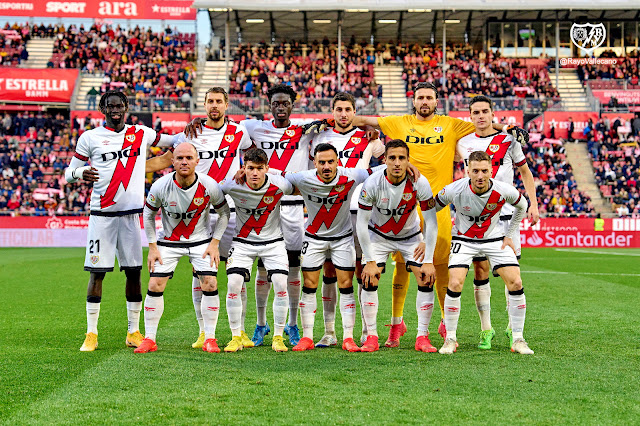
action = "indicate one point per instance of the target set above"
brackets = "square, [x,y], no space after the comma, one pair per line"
[582,321]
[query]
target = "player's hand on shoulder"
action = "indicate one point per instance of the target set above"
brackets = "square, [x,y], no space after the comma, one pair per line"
[519,134]
[239,177]
[508,242]
[193,128]
[318,126]
[413,172]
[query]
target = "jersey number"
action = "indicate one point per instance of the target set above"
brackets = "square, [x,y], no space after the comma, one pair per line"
[94,244]
[455,247]
[305,245]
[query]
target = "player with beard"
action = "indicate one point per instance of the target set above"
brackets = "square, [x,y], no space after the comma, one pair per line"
[505,153]
[432,142]
[478,201]
[117,152]
[355,150]
[287,148]
[220,146]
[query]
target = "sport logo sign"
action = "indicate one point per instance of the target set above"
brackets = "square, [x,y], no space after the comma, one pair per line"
[588,37]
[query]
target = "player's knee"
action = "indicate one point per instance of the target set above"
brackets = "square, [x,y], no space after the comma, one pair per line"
[514,284]
[157,284]
[209,283]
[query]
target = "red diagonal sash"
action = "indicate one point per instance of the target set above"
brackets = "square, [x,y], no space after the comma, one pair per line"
[122,174]
[326,216]
[199,203]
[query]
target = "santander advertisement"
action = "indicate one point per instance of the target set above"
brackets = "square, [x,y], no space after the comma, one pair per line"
[71,231]
[581,233]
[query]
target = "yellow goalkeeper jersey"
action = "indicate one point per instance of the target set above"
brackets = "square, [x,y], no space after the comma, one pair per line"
[432,144]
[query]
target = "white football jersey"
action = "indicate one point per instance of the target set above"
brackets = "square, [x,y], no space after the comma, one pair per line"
[354,149]
[287,148]
[219,150]
[395,215]
[505,153]
[478,215]
[258,210]
[120,159]
[328,203]
[185,211]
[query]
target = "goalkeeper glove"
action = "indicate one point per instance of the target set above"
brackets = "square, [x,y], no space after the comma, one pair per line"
[318,126]
[519,134]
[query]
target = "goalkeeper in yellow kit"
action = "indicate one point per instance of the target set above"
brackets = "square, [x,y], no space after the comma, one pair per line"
[432,142]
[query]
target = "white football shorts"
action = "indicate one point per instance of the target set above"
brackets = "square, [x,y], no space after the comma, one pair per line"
[113,236]
[171,254]
[341,252]
[242,255]
[382,247]
[463,251]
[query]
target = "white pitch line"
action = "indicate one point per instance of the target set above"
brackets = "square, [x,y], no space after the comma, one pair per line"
[578,273]
[598,252]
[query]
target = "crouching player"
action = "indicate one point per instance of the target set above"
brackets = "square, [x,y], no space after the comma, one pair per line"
[327,192]
[184,198]
[387,222]
[258,235]
[478,201]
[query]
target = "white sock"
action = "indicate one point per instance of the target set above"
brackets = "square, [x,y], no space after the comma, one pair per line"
[234,303]
[370,311]
[517,313]
[364,325]
[424,307]
[93,312]
[308,306]
[280,303]
[293,288]
[210,311]
[506,295]
[196,296]
[482,295]
[133,316]
[451,314]
[329,299]
[396,320]
[153,309]
[262,296]
[243,297]
[347,312]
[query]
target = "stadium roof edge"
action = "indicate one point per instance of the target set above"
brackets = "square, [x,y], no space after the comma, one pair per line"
[380,5]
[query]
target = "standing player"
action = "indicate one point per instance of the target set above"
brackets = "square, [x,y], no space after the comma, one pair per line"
[478,201]
[184,197]
[220,145]
[258,234]
[327,192]
[388,222]
[354,150]
[432,142]
[117,152]
[287,148]
[504,153]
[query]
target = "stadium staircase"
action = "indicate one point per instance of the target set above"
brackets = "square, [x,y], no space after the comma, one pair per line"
[578,157]
[213,74]
[86,82]
[40,51]
[394,95]
[571,90]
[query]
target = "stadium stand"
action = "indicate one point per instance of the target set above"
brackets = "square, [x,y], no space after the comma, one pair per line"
[13,41]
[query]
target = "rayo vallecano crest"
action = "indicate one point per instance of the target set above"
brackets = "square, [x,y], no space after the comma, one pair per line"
[588,37]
